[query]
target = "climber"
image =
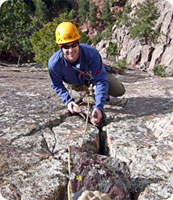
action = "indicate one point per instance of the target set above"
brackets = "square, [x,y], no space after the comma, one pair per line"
[79,65]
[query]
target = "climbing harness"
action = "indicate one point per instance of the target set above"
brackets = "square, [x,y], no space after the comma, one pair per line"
[87,76]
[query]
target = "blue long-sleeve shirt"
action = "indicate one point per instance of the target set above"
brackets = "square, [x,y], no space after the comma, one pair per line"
[89,60]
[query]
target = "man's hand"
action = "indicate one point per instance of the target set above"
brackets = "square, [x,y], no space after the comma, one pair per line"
[73,107]
[96,116]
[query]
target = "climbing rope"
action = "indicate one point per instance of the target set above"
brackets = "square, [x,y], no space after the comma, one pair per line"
[86,123]
[83,137]
[69,170]
[89,76]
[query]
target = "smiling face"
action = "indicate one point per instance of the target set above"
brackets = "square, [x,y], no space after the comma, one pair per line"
[71,51]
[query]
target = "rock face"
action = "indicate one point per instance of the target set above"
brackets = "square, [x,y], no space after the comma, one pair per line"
[138,54]
[36,130]
[94,172]
[141,135]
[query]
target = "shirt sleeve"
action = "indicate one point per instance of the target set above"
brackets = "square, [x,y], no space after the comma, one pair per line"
[57,83]
[100,80]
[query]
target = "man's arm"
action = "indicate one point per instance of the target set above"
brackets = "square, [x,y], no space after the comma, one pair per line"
[100,81]
[60,89]
[57,82]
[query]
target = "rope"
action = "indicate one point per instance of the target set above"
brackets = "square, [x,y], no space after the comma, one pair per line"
[69,170]
[86,123]
[83,137]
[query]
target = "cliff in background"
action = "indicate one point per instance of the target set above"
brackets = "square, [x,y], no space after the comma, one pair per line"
[142,56]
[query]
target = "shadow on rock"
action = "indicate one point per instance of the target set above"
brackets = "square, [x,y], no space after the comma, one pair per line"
[142,106]
[140,184]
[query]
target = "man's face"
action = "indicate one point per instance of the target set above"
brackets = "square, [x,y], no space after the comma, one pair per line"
[71,51]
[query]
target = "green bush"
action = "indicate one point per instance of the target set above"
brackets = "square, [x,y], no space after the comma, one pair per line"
[123,18]
[144,21]
[97,38]
[159,70]
[84,38]
[107,33]
[121,64]
[43,42]
[112,49]
[16,29]
[93,14]
[106,15]
[83,10]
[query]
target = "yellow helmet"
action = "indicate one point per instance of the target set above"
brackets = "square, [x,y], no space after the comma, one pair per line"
[66,32]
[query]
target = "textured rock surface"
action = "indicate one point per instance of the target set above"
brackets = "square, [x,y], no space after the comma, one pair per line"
[36,129]
[95,172]
[141,134]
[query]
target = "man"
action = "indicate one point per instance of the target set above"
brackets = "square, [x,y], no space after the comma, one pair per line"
[78,64]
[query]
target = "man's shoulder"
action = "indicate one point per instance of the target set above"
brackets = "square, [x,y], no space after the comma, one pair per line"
[88,48]
[55,58]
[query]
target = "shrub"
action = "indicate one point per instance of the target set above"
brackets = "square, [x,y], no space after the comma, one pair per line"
[97,38]
[144,21]
[106,15]
[16,29]
[123,18]
[112,49]
[93,14]
[107,33]
[84,38]
[159,70]
[43,42]
[83,10]
[121,64]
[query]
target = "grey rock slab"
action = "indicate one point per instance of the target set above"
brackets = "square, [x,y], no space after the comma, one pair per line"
[29,172]
[45,180]
[72,131]
[36,130]
[140,133]
[21,153]
[27,168]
